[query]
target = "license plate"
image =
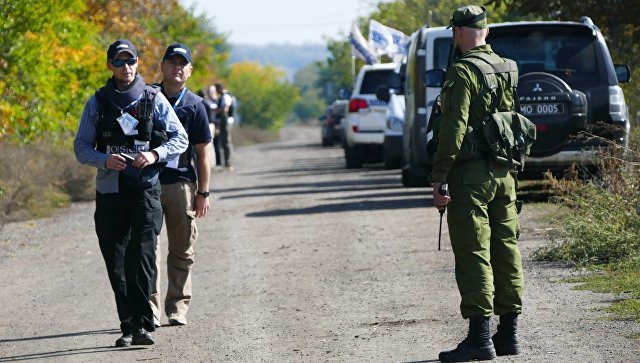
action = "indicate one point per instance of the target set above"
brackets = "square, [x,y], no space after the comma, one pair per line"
[537,109]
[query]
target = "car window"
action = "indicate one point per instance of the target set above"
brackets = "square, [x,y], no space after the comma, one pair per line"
[441,46]
[374,78]
[563,52]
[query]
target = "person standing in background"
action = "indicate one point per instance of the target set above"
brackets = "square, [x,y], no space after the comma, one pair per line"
[211,103]
[222,115]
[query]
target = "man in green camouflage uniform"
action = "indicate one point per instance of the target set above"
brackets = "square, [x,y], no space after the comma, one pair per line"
[481,198]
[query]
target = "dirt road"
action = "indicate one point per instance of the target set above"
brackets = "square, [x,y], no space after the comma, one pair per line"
[299,260]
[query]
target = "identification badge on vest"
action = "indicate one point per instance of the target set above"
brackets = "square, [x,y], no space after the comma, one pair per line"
[128,124]
[141,146]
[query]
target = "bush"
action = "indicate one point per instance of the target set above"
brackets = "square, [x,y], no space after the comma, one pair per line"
[37,179]
[602,223]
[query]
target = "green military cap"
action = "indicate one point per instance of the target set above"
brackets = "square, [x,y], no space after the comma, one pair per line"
[471,16]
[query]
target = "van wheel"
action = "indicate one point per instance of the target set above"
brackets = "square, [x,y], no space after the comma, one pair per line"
[391,161]
[353,156]
[412,179]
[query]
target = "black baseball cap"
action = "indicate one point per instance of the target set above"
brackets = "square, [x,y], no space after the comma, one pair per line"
[178,49]
[121,46]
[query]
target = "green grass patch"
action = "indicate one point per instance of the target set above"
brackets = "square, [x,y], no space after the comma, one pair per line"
[621,279]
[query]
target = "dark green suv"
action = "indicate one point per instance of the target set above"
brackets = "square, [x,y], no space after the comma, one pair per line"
[568,87]
[568,84]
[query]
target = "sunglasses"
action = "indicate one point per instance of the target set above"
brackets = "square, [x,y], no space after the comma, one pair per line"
[120,62]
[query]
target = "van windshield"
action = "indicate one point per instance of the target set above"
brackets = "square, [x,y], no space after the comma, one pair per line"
[373,79]
[566,52]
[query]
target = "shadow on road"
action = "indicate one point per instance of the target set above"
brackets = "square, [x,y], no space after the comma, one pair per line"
[64,352]
[311,190]
[318,166]
[289,146]
[368,189]
[348,207]
[378,182]
[90,332]
[409,193]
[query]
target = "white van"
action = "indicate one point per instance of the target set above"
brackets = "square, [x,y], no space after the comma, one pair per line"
[364,124]
[429,49]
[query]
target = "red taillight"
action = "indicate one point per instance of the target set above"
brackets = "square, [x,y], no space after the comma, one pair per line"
[355,128]
[541,128]
[357,104]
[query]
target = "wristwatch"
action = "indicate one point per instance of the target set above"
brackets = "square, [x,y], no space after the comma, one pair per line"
[204,194]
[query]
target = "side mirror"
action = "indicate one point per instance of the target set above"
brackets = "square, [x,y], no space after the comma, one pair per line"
[622,72]
[382,93]
[434,78]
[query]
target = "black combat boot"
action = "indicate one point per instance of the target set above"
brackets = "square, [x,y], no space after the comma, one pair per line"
[476,346]
[506,339]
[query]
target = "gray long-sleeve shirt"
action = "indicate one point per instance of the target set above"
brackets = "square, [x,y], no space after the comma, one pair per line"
[84,144]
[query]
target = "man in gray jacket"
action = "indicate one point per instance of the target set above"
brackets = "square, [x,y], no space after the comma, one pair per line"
[128,131]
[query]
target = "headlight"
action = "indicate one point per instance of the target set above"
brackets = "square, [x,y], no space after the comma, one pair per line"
[395,123]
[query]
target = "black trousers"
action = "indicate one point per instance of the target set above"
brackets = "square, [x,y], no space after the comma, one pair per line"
[216,149]
[127,225]
[225,142]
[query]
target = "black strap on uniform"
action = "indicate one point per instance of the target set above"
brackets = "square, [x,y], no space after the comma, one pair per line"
[507,70]
[471,20]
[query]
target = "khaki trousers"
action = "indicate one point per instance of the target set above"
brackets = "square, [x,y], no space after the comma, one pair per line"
[177,201]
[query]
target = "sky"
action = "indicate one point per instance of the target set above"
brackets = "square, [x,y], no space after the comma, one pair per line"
[261,22]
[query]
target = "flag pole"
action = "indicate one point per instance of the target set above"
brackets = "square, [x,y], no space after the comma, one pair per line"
[353,67]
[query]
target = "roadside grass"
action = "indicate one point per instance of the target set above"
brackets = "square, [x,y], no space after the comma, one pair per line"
[598,228]
[245,135]
[622,279]
[37,179]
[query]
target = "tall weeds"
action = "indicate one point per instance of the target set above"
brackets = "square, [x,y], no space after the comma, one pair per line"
[602,223]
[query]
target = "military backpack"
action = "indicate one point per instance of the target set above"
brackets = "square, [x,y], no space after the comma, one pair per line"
[505,136]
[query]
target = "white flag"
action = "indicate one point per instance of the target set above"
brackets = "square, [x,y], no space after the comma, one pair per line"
[359,47]
[385,40]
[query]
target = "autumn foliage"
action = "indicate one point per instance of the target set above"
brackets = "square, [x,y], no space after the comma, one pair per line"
[53,56]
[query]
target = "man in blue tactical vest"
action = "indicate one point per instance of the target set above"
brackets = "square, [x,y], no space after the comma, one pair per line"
[481,198]
[185,189]
[128,131]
